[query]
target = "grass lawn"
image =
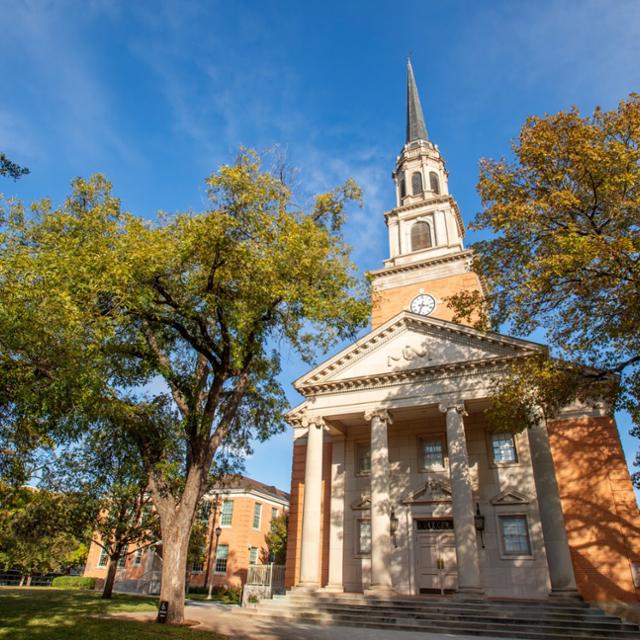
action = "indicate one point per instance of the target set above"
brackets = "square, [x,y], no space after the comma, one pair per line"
[60,614]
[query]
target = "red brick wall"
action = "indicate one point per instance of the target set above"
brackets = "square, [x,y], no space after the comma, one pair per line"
[599,505]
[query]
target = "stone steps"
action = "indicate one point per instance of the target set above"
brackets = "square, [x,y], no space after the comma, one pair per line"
[535,620]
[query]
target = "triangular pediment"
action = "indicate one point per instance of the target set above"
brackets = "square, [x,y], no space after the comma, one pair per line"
[509,498]
[431,491]
[409,341]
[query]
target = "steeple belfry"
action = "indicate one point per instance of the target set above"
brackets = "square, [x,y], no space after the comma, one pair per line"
[427,259]
[416,128]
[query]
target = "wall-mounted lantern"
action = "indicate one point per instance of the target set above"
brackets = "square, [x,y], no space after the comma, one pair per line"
[393,525]
[479,522]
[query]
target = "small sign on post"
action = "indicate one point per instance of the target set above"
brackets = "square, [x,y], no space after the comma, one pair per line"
[163,611]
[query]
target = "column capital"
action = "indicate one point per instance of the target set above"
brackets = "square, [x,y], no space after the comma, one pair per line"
[307,421]
[457,406]
[381,413]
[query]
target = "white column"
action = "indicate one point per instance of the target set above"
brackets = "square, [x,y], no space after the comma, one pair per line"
[463,512]
[311,513]
[336,528]
[553,527]
[380,505]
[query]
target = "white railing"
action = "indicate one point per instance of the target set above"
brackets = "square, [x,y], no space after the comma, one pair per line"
[263,581]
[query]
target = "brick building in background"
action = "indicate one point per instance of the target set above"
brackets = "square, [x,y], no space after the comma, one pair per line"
[241,507]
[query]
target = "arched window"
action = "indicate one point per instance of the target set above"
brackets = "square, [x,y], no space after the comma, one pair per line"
[416,183]
[434,182]
[403,187]
[420,236]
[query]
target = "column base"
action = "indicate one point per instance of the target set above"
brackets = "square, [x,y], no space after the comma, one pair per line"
[469,593]
[333,588]
[564,593]
[379,590]
[306,586]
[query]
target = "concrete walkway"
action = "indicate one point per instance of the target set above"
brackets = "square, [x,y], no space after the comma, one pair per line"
[239,624]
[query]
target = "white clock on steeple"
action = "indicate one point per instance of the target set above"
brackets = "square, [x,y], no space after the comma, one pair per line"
[423,304]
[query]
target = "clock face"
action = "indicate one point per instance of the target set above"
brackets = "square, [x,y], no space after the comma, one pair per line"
[423,304]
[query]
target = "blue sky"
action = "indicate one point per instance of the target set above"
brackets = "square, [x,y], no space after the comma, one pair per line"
[157,94]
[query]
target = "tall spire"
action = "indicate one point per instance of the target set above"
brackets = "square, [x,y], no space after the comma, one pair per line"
[416,128]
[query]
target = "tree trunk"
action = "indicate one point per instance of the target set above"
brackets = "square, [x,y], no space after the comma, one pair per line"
[21,581]
[176,522]
[29,580]
[110,579]
[175,544]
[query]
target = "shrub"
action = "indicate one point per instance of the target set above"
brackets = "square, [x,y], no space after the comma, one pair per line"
[74,582]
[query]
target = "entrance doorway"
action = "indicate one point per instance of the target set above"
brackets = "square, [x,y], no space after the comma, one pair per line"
[436,569]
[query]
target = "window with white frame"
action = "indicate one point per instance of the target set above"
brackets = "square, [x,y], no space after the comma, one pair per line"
[122,560]
[363,458]
[137,558]
[198,564]
[274,513]
[515,535]
[226,515]
[503,448]
[363,537]
[103,560]
[431,452]
[420,236]
[222,554]
[253,555]
[257,515]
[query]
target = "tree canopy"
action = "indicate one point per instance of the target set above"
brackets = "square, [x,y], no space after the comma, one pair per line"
[171,329]
[11,169]
[564,250]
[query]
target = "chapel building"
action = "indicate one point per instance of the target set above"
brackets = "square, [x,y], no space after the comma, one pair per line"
[399,486]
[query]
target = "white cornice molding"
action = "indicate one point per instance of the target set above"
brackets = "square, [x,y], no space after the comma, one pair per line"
[464,255]
[408,320]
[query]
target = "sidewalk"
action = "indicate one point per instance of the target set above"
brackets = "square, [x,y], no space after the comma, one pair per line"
[239,624]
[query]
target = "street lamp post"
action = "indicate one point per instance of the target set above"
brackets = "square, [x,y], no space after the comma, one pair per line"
[218,531]
[211,532]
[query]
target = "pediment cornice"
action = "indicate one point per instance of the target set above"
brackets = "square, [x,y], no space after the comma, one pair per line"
[500,350]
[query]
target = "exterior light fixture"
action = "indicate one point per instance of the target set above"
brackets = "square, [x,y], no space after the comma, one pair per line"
[479,522]
[393,526]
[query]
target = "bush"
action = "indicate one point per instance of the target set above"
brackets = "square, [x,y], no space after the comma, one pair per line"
[74,582]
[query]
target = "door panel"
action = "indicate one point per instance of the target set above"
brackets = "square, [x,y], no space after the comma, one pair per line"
[436,569]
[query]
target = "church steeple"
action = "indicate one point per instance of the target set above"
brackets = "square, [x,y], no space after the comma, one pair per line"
[416,128]
[427,260]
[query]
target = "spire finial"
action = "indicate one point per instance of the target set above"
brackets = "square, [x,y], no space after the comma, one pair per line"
[416,128]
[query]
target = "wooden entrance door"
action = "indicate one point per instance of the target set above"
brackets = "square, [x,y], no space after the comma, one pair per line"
[436,569]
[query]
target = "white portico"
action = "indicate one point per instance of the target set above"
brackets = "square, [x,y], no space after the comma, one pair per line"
[412,463]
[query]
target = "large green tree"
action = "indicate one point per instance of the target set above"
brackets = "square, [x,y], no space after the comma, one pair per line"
[105,313]
[563,255]
[105,467]
[41,531]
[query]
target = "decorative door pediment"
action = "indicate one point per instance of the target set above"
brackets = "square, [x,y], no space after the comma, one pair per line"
[509,498]
[430,492]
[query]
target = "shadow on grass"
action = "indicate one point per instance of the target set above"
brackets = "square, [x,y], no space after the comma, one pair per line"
[57,614]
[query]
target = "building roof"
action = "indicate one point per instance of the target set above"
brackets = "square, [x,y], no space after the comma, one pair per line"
[236,481]
[416,128]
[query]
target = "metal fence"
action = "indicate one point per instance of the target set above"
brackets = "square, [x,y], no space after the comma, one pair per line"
[267,575]
[15,579]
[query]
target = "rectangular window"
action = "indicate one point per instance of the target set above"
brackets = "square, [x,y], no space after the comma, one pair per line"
[253,555]
[122,560]
[274,513]
[103,561]
[431,453]
[364,537]
[363,459]
[503,448]
[226,515]
[221,558]
[515,535]
[137,558]
[257,515]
